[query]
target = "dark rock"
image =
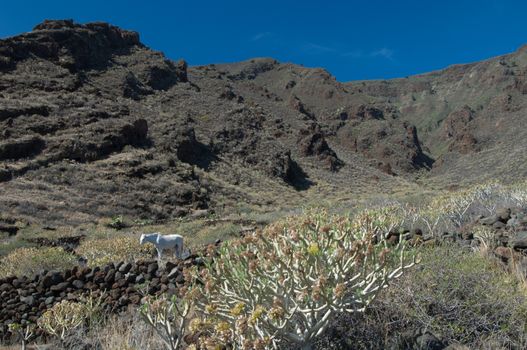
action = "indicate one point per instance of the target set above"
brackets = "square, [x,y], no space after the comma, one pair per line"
[519,240]
[135,299]
[174,273]
[498,225]
[46,281]
[489,220]
[61,287]
[140,279]
[180,279]
[152,269]
[283,166]
[428,341]
[78,284]
[130,277]
[115,294]
[170,265]
[119,275]
[125,268]
[504,214]
[29,300]
[120,284]
[313,143]
[110,276]
[83,274]
[56,277]
[4,287]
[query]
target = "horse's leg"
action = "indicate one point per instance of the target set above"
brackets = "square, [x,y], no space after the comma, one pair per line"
[176,251]
[159,252]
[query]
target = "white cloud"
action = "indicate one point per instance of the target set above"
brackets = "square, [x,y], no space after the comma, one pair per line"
[260,36]
[383,53]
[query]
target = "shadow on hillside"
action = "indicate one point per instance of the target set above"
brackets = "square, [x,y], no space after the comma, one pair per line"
[424,161]
[297,177]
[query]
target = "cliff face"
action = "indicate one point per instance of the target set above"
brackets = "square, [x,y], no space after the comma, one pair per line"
[95,124]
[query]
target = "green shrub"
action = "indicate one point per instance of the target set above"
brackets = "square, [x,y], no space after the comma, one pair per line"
[28,261]
[115,222]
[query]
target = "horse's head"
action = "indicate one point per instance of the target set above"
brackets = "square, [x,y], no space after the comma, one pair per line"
[142,239]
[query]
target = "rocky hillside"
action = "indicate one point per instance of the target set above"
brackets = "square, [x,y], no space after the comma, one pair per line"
[94,124]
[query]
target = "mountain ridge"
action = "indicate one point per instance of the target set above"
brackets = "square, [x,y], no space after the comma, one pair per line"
[95,124]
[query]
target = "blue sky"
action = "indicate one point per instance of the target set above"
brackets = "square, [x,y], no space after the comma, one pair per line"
[369,39]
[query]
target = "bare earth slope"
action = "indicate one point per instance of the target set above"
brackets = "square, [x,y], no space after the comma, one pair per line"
[94,124]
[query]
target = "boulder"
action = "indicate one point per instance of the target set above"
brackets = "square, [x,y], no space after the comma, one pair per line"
[489,220]
[125,268]
[78,284]
[61,287]
[519,240]
[504,214]
[498,225]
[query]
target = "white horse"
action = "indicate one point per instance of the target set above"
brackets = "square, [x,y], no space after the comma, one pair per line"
[162,242]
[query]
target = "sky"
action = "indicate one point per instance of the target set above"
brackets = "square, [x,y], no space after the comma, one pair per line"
[353,40]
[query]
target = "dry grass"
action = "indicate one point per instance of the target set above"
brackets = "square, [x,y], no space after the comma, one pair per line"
[28,261]
[127,332]
[462,297]
[102,251]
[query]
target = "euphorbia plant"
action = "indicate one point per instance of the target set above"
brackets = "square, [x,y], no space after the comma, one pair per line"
[168,317]
[286,282]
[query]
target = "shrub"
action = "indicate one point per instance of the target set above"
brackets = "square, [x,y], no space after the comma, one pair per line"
[28,261]
[451,210]
[458,296]
[115,222]
[24,332]
[287,282]
[65,317]
[168,317]
[105,250]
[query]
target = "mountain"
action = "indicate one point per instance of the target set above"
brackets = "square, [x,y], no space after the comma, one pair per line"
[94,124]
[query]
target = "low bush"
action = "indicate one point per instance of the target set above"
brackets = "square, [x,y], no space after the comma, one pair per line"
[168,317]
[65,317]
[28,261]
[458,296]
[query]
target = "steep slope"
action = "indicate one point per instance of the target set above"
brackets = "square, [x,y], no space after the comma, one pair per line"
[95,124]
[469,117]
